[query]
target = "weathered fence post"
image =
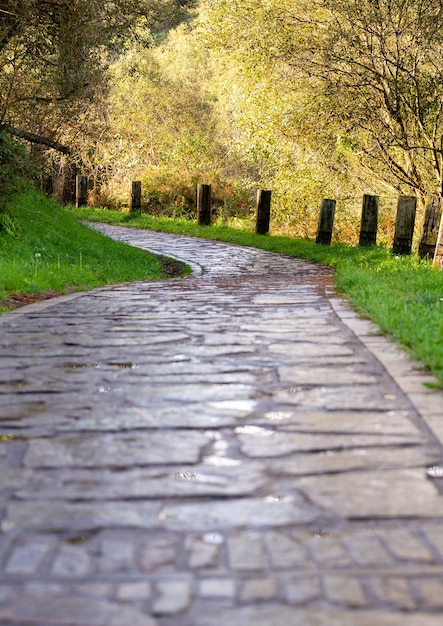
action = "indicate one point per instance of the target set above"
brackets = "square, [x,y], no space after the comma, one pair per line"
[81,191]
[438,256]
[326,222]
[204,196]
[369,221]
[135,205]
[263,215]
[404,225]
[433,214]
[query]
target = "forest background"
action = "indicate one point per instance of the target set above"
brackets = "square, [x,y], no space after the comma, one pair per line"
[309,98]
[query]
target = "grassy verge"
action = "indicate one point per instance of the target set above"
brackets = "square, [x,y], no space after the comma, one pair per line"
[48,251]
[403,295]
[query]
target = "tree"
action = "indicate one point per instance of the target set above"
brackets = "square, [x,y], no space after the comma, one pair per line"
[53,54]
[373,67]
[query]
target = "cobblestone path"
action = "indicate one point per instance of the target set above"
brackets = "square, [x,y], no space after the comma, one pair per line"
[235,447]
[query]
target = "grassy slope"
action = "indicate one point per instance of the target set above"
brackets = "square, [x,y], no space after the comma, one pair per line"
[403,295]
[53,251]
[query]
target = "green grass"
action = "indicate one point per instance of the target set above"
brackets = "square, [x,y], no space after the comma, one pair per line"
[51,251]
[403,295]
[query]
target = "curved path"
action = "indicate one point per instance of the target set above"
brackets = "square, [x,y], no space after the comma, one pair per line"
[235,447]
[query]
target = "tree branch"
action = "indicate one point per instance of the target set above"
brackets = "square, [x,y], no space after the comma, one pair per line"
[33,138]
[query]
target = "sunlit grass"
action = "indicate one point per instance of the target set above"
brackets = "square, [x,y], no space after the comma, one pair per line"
[51,251]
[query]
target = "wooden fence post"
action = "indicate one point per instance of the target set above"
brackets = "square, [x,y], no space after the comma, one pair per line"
[135,205]
[204,196]
[433,214]
[81,191]
[404,225]
[263,215]
[438,256]
[369,221]
[326,222]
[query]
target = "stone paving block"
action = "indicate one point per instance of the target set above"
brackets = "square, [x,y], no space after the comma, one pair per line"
[173,596]
[375,494]
[201,553]
[115,450]
[237,513]
[266,615]
[434,534]
[366,549]
[115,555]
[216,588]
[394,590]
[246,552]
[258,442]
[300,590]
[406,545]
[133,592]
[327,549]
[157,553]
[344,590]
[259,590]
[68,611]
[64,516]
[370,458]
[284,551]
[27,555]
[431,592]
[71,561]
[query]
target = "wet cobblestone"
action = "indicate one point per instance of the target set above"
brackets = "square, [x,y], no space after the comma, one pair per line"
[233,447]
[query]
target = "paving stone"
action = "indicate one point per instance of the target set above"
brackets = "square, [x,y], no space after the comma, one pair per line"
[71,561]
[370,458]
[157,553]
[301,590]
[259,442]
[313,375]
[216,588]
[434,534]
[345,590]
[405,545]
[116,450]
[285,552]
[431,591]
[358,422]
[264,615]
[381,494]
[246,552]
[238,513]
[327,549]
[69,611]
[259,590]
[158,482]
[201,553]
[27,556]
[133,592]
[116,555]
[396,591]
[173,597]
[366,549]
[64,516]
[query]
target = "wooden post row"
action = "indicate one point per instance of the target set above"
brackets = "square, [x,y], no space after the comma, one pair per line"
[204,196]
[326,222]
[433,214]
[81,191]
[404,225]
[135,205]
[263,212]
[369,221]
